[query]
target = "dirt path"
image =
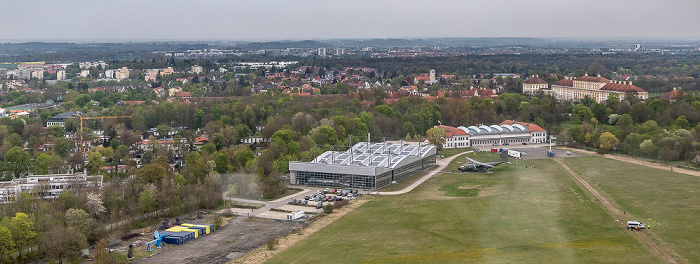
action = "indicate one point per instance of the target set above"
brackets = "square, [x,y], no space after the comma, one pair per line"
[638,162]
[262,254]
[665,253]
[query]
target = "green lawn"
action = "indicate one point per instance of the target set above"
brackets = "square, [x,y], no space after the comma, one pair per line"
[452,152]
[669,202]
[517,215]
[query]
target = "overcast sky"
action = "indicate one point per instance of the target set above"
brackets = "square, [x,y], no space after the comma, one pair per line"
[316,19]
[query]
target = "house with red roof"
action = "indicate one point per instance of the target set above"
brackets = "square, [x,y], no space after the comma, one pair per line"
[480,92]
[596,88]
[160,91]
[673,95]
[455,137]
[534,84]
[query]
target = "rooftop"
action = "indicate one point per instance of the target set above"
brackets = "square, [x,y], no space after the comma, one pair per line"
[375,154]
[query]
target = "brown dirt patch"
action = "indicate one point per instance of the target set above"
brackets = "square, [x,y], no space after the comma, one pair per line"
[262,254]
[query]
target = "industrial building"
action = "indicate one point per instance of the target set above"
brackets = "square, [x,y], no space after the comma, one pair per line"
[365,166]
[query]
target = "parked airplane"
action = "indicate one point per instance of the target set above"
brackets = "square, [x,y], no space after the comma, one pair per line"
[477,166]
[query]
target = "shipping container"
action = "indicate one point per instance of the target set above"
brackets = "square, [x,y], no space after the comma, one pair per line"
[208,228]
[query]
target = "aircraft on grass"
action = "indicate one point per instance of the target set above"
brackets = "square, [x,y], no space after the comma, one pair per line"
[477,166]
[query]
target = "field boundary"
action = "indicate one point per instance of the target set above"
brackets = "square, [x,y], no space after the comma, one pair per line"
[665,253]
[638,161]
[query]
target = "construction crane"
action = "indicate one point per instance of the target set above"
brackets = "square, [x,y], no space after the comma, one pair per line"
[79,115]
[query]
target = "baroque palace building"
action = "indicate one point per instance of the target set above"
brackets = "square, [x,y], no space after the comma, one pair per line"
[575,89]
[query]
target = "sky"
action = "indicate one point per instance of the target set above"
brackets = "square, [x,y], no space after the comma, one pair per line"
[265,20]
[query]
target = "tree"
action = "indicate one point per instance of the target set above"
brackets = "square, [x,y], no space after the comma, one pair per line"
[42,164]
[221,163]
[147,202]
[625,121]
[80,220]
[17,160]
[324,135]
[647,148]
[61,146]
[120,153]
[596,68]
[7,244]
[606,141]
[14,140]
[94,162]
[61,243]
[582,112]
[82,100]
[436,136]
[22,230]
[682,122]
[94,203]
[151,173]
[162,131]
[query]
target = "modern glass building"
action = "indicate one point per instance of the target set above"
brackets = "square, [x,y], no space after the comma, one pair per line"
[364,166]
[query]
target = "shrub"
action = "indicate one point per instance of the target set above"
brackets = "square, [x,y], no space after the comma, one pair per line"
[328,209]
[217,223]
[271,242]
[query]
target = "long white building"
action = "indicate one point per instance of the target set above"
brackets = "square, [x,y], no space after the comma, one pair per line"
[507,132]
[574,89]
[47,186]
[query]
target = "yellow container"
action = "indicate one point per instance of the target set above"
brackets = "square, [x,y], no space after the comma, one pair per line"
[207,231]
[181,228]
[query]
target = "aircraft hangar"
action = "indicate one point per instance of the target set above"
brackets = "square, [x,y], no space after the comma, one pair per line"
[365,165]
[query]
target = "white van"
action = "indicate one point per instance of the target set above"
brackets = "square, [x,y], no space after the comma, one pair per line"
[635,226]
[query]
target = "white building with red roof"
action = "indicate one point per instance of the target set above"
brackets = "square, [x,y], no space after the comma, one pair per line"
[534,84]
[596,88]
[506,133]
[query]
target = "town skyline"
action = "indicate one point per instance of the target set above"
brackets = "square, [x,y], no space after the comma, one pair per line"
[268,20]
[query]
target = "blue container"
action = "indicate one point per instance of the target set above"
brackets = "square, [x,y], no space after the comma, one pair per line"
[202,230]
[178,238]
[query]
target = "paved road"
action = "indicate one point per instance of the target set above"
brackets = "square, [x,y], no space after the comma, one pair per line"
[275,203]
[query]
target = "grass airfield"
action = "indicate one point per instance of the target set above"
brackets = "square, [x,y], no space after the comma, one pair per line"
[512,215]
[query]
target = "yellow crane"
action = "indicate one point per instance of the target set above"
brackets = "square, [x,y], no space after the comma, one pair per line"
[79,115]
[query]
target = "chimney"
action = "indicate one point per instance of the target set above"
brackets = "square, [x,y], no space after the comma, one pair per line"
[630,82]
[598,75]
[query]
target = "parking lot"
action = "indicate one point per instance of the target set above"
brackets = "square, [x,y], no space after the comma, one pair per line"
[535,151]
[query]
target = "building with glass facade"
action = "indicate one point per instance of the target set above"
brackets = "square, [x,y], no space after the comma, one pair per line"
[365,166]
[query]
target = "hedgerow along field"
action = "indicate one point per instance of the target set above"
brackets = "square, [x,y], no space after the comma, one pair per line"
[666,201]
[513,215]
